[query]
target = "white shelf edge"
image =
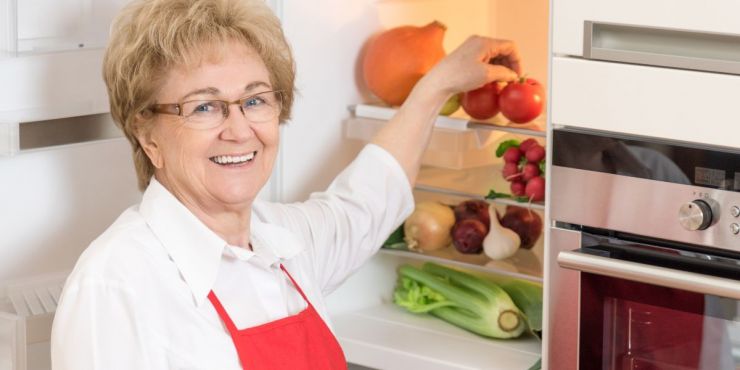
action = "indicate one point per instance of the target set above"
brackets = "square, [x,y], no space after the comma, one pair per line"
[387,337]
[465,265]
[454,122]
[504,201]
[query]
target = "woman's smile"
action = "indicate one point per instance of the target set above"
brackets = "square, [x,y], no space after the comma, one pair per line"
[234,160]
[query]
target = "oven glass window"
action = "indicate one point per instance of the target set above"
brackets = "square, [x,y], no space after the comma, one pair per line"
[629,326]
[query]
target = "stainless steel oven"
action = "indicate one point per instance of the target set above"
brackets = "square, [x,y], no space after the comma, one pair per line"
[643,266]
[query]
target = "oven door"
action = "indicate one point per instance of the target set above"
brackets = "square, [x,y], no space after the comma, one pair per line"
[645,306]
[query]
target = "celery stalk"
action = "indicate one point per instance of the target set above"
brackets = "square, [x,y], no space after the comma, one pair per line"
[461,299]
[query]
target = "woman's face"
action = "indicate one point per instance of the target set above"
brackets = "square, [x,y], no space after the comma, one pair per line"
[197,165]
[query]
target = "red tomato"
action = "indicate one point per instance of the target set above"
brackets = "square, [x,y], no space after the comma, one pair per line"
[522,101]
[482,103]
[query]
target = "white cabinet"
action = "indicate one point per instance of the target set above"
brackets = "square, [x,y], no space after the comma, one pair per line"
[51,54]
[716,16]
[659,102]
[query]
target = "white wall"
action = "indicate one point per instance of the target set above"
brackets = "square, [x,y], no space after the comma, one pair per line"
[56,201]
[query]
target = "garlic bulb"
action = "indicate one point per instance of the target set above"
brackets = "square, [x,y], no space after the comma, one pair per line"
[500,242]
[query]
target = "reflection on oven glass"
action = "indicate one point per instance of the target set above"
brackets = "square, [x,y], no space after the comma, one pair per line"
[639,336]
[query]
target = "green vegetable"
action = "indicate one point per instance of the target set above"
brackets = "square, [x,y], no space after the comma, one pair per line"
[396,237]
[528,297]
[493,194]
[505,145]
[461,299]
[542,167]
[537,365]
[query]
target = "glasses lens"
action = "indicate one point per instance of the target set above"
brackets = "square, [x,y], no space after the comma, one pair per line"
[262,107]
[204,113]
[258,108]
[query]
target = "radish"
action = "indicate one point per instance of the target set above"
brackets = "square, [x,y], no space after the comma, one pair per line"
[512,155]
[530,171]
[535,189]
[535,153]
[510,171]
[517,188]
[526,144]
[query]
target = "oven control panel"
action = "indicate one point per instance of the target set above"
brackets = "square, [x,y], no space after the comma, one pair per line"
[695,215]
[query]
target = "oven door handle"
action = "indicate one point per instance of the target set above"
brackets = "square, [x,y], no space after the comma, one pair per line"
[655,275]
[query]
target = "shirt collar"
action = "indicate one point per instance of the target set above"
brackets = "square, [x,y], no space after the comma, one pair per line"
[196,250]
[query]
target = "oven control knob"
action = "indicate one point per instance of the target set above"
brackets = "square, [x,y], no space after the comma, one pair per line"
[695,215]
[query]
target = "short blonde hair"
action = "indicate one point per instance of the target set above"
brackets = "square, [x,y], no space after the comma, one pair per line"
[149,37]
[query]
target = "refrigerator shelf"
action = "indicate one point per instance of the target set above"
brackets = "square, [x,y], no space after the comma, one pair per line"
[387,337]
[456,143]
[471,183]
[509,202]
[458,120]
[525,264]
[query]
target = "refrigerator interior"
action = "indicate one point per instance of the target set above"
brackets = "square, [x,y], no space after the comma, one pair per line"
[459,165]
[59,195]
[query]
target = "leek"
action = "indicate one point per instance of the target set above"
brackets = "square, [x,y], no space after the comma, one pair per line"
[464,300]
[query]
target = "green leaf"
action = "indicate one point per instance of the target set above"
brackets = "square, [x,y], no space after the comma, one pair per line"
[493,194]
[398,246]
[522,162]
[542,167]
[537,365]
[505,145]
[395,237]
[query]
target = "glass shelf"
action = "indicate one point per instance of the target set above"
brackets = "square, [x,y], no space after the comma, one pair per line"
[471,183]
[524,264]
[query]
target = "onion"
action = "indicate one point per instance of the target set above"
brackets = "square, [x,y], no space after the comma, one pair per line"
[428,228]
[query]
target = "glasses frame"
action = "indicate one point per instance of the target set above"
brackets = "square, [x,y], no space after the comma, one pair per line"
[175,109]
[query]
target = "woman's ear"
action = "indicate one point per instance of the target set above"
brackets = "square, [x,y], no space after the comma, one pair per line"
[146,134]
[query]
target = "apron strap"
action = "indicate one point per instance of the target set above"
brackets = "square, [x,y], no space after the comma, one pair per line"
[297,287]
[222,312]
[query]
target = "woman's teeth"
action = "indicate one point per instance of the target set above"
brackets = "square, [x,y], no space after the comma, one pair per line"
[227,159]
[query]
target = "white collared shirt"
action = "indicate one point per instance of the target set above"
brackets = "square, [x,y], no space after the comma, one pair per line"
[137,298]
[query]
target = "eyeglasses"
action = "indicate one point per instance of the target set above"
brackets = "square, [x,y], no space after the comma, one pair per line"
[207,114]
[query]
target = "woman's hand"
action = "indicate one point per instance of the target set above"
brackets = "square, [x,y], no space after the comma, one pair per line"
[479,60]
[475,62]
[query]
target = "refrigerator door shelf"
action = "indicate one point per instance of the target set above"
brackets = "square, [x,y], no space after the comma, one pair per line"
[43,26]
[386,337]
[26,316]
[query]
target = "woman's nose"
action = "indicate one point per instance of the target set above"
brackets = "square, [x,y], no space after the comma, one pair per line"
[236,127]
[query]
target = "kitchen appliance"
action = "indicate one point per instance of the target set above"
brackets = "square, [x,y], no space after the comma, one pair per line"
[643,270]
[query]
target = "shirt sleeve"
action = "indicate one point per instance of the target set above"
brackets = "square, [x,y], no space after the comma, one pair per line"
[88,333]
[346,224]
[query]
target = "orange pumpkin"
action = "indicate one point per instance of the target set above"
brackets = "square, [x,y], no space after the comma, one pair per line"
[397,58]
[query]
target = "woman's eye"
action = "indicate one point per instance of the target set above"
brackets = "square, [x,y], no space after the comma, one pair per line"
[207,107]
[253,102]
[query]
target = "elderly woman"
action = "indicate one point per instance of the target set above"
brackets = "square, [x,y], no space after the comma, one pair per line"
[201,275]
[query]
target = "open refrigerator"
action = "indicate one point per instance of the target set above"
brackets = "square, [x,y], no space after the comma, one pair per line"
[67,172]
[458,165]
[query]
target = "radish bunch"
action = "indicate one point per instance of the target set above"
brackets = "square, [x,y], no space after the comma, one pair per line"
[524,165]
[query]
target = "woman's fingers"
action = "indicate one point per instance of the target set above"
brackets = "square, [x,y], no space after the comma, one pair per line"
[501,73]
[502,52]
[474,63]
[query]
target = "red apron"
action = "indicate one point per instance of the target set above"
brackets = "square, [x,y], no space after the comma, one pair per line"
[299,342]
